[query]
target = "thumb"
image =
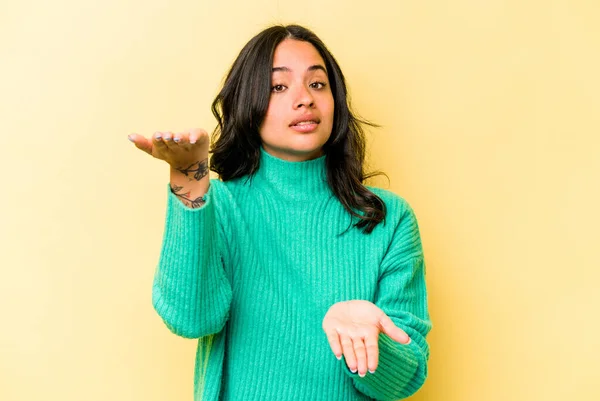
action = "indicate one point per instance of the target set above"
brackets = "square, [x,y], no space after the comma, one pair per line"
[393,331]
[141,143]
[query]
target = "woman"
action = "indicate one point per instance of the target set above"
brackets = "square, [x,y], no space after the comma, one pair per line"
[288,257]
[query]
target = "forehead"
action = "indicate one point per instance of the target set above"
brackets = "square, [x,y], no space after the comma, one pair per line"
[296,55]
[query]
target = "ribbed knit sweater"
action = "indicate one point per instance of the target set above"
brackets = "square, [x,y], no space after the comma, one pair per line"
[253,271]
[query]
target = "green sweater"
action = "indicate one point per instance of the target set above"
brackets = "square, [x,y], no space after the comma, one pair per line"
[252,273]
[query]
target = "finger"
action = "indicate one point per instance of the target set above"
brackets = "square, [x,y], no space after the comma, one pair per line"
[157,141]
[334,342]
[361,355]
[180,139]
[186,140]
[196,134]
[168,138]
[372,346]
[395,333]
[141,143]
[348,348]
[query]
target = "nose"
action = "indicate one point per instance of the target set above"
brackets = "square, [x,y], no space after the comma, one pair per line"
[303,98]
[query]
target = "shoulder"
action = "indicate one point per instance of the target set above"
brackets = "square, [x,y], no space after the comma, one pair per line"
[397,207]
[402,224]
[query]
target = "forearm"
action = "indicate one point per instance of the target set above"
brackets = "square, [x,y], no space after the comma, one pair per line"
[191,292]
[402,370]
[190,183]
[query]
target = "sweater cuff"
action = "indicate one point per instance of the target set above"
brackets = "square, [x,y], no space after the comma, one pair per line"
[395,373]
[174,204]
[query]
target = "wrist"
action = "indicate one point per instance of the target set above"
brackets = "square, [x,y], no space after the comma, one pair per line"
[192,170]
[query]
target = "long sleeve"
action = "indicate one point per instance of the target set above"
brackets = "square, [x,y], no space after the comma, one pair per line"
[402,295]
[191,292]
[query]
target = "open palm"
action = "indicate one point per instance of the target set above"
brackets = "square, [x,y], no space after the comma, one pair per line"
[352,329]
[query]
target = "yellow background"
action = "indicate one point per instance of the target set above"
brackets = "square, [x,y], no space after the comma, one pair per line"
[490,117]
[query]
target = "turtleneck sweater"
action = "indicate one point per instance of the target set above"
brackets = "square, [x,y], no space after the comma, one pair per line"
[252,273]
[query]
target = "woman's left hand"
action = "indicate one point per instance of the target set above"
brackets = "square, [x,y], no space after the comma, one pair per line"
[353,328]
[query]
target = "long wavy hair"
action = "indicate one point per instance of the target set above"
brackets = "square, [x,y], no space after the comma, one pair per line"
[241,106]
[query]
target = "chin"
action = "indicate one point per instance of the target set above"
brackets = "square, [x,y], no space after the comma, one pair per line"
[295,153]
[312,148]
[308,153]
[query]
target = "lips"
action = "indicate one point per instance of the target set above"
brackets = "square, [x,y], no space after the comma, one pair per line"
[305,120]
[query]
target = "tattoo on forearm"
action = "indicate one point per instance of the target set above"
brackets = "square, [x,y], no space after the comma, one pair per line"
[200,170]
[185,197]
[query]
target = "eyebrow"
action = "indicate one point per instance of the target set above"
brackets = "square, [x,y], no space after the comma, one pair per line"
[314,67]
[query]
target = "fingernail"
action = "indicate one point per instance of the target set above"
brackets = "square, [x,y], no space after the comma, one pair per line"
[338,357]
[167,138]
[193,141]
[158,137]
[130,138]
[176,139]
[353,370]
[371,371]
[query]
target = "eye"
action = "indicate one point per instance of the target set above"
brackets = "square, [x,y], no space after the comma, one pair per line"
[278,88]
[318,85]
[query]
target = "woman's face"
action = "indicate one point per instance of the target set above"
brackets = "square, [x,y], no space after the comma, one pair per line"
[299,118]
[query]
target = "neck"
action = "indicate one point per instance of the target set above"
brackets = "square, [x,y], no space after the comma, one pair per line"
[301,180]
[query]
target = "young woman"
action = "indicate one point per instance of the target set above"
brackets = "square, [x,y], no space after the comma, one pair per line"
[300,282]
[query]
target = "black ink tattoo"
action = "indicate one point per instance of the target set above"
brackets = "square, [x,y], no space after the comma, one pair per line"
[200,171]
[185,197]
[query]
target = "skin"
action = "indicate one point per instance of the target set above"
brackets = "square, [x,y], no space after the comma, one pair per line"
[187,154]
[300,90]
[353,328]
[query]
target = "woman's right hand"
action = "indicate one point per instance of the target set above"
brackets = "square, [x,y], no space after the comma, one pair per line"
[178,150]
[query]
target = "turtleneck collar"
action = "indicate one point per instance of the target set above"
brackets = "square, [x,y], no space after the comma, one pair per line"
[293,180]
